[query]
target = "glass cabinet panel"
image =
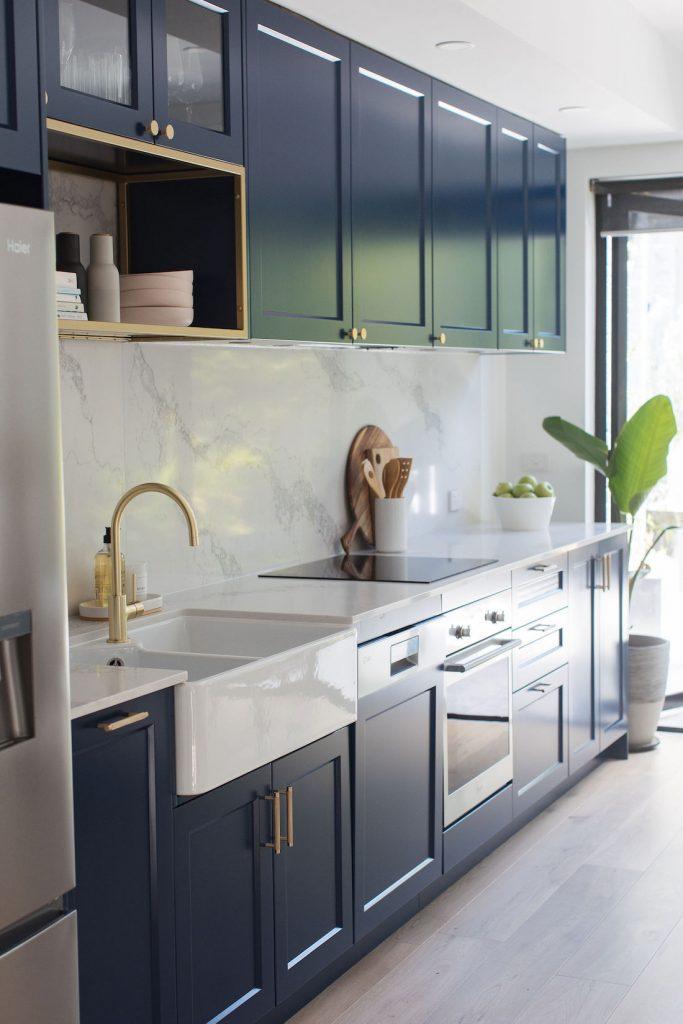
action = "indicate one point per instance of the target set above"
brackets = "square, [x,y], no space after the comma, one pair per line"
[94,48]
[196,63]
[5,44]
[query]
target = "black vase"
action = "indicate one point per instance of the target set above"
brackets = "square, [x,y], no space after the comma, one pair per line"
[69,259]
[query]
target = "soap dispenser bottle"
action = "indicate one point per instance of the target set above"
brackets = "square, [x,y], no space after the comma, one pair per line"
[103,573]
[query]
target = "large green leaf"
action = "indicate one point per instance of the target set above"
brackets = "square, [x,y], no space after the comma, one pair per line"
[585,446]
[638,460]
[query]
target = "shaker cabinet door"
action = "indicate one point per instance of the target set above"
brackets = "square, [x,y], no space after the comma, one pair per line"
[548,233]
[464,180]
[583,676]
[612,637]
[224,903]
[198,77]
[19,106]
[313,884]
[539,739]
[98,64]
[391,190]
[299,177]
[515,277]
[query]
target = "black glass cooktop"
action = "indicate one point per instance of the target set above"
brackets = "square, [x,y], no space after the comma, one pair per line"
[382,568]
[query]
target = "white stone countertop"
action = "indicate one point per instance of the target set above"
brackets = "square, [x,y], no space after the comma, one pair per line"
[350,602]
[98,687]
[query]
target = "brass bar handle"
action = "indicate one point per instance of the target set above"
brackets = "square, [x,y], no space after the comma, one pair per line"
[122,723]
[276,844]
[289,793]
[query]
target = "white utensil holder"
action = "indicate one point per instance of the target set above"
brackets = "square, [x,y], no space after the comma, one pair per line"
[391,525]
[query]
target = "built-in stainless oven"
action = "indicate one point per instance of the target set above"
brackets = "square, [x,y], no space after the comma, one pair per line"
[477,723]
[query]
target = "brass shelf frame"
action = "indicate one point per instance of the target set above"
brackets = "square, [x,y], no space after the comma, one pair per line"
[180,165]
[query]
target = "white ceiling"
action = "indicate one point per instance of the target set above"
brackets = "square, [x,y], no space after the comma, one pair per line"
[619,58]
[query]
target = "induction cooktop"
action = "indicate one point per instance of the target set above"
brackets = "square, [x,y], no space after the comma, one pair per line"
[382,568]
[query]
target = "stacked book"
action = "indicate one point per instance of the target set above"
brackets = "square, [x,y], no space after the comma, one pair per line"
[69,300]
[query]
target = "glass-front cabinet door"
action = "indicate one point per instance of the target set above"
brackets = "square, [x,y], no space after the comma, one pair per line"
[198,76]
[98,62]
[19,117]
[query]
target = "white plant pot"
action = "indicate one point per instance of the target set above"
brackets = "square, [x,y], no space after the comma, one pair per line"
[648,670]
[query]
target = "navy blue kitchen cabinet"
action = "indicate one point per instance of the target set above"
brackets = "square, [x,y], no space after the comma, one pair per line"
[398,806]
[539,738]
[97,60]
[464,195]
[298,122]
[19,99]
[123,802]
[547,213]
[513,219]
[611,637]
[224,903]
[583,669]
[198,77]
[313,872]
[164,71]
[391,200]
[263,885]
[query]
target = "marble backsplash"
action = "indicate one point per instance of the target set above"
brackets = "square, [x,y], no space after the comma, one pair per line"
[257,438]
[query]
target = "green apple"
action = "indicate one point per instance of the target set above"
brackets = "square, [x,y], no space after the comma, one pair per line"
[528,479]
[503,488]
[544,490]
[505,494]
[528,494]
[522,488]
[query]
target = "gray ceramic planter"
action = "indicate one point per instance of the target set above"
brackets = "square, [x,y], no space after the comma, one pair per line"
[648,669]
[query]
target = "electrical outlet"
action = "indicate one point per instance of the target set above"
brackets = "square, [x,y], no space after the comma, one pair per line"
[454,501]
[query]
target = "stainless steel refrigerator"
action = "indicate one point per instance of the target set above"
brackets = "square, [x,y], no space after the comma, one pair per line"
[38,959]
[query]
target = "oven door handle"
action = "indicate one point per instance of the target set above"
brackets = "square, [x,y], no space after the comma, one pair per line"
[455,664]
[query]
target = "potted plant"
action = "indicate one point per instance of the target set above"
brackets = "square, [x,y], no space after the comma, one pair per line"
[632,467]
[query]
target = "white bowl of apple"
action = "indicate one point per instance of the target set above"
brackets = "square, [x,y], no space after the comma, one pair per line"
[526,505]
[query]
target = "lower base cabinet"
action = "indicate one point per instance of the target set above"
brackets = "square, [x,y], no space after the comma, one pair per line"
[123,806]
[263,885]
[539,751]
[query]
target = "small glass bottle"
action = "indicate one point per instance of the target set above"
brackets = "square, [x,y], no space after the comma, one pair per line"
[103,580]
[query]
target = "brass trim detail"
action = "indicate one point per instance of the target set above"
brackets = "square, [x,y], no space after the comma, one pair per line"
[363,334]
[276,844]
[153,128]
[352,334]
[289,793]
[122,723]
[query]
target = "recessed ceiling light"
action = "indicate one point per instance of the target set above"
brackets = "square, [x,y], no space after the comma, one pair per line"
[454,44]
[572,109]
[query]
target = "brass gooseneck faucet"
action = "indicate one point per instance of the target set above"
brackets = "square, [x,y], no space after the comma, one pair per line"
[119,608]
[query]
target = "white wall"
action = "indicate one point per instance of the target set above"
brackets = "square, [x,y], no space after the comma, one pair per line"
[538,385]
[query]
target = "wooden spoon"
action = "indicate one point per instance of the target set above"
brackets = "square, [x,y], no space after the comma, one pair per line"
[390,479]
[374,483]
[406,466]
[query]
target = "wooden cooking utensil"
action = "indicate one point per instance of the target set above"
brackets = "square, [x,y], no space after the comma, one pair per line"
[358,494]
[392,474]
[374,482]
[380,456]
[405,467]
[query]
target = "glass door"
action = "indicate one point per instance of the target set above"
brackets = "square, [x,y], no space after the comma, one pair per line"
[198,76]
[19,109]
[98,56]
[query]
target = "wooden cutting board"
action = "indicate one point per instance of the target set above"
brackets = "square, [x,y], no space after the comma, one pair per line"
[358,493]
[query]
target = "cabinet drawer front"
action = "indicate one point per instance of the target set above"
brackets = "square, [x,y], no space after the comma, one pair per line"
[539,738]
[544,648]
[539,589]
[477,621]
[464,838]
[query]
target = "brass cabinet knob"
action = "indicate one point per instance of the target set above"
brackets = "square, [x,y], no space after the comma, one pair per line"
[169,132]
[352,334]
[442,338]
[153,128]
[363,334]
[536,343]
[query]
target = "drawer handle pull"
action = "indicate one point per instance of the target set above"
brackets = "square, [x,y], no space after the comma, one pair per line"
[606,569]
[289,793]
[544,567]
[543,627]
[122,723]
[542,687]
[276,844]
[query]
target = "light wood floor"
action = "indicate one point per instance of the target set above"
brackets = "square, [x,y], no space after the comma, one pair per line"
[577,918]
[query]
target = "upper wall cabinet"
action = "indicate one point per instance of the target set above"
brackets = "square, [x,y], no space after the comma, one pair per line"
[19,110]
[548,233]
[463,204]
[168,70]
[299,177]
[391,200]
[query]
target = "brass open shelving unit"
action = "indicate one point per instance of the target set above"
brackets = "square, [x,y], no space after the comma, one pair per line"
[130,163]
